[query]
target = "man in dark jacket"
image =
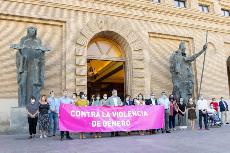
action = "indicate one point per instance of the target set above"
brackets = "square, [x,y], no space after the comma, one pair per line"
[128,101]
[224,110]
[152,100]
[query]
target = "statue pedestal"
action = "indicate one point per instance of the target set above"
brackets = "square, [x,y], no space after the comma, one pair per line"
[18,120]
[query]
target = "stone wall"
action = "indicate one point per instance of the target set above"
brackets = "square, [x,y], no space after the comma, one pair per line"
[12,30]
[148,32]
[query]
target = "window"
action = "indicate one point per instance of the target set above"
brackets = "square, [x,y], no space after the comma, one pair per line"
[156,1]
[203,8]
[102,47]
[225,12]
[180,3]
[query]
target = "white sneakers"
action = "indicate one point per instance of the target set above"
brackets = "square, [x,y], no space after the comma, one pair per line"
[43,136]
[182,127]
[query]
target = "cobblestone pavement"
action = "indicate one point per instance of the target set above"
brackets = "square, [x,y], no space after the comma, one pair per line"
[216,140]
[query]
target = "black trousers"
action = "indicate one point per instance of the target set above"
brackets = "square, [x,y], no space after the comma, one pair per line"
[113,134]
[205,116]
[32,125]
[172,121]
[66,133]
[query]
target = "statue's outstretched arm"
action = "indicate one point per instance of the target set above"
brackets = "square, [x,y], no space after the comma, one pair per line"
[193,57]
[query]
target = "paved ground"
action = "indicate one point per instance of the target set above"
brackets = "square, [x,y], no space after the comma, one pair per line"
[216,140]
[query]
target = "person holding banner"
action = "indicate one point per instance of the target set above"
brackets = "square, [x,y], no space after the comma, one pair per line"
[128,101]
[91,101]
[152,101]
[141,101]
[164,101]
[97,102]
[104,100]
[114,100]
[82,102]
[65,100]
[75,97]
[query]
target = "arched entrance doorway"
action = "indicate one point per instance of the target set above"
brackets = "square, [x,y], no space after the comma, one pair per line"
[105,67]
[130,43]
[228,71]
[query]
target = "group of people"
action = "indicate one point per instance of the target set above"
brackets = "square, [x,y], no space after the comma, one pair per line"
[46,111]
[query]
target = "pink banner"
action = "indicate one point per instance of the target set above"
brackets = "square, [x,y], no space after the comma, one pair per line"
[107,119]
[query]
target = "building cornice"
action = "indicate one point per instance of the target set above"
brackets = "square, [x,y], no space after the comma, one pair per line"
[142,10]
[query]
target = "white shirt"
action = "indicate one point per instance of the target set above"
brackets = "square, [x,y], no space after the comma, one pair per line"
[224,104]
[115,101]
[211,110]
[164,102]
[153,101]
[202,104]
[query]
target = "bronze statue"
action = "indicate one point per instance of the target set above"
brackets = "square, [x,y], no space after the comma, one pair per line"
[30,66]
[181,71]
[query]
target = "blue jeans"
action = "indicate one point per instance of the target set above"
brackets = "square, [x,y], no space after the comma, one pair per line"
[53,118]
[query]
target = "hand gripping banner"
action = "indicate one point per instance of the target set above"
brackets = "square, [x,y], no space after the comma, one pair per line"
[107,119]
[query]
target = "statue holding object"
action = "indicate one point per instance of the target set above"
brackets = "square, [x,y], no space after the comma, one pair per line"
[182,73]
[30,65]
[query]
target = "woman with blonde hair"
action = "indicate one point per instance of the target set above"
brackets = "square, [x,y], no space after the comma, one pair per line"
[191,106]
[82,102]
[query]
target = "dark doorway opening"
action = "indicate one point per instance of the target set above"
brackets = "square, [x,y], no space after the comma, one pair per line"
[228,71]
[104,76]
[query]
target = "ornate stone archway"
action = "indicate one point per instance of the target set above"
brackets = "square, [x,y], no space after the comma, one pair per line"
[135,78]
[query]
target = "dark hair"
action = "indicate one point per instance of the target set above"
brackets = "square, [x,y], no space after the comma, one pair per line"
[81,93]
[140,94]
[45,97]
[32,97]
[98,95]
[172,98]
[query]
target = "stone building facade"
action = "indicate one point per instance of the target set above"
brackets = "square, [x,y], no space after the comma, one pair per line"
[147,31]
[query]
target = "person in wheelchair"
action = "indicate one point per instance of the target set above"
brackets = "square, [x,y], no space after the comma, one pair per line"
[213,118]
